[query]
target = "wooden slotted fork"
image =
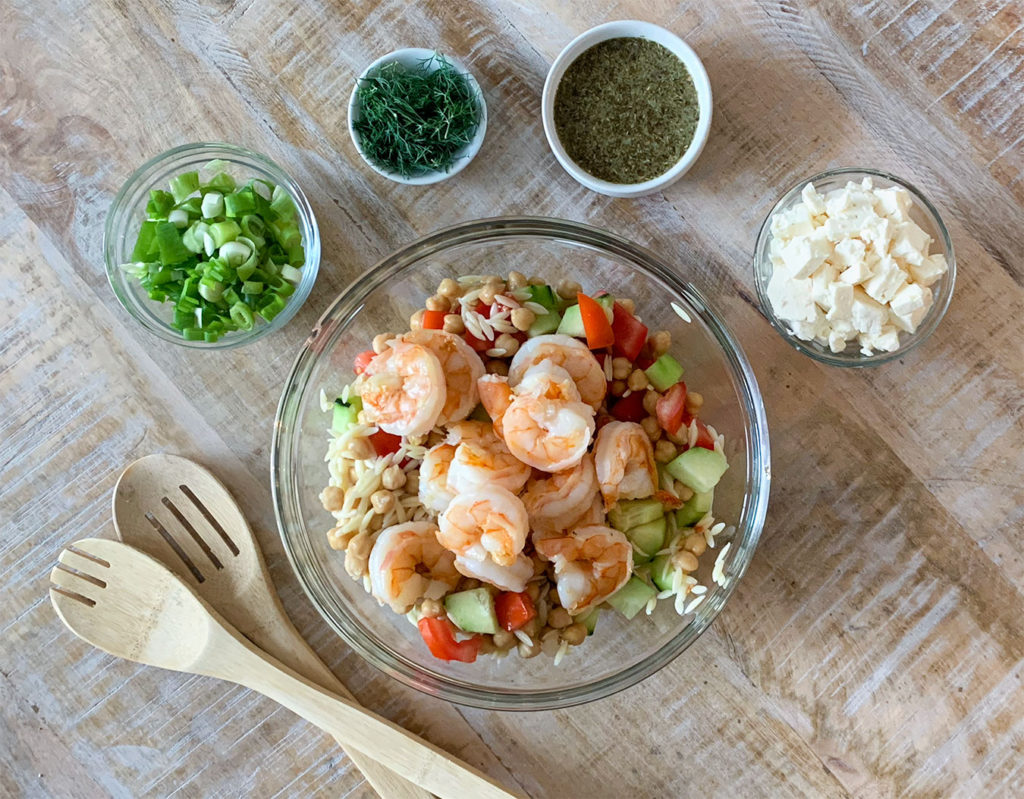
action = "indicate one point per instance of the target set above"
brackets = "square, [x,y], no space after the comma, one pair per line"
[126,603]
[176,511]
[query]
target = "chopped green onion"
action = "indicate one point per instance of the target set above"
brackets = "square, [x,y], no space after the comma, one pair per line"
[183,185]
[168,241]
[252,287]
[210,289]
[192,334]
[239,203]
[193,206]
[242,316]
[223,232]
[222,182]
[213,205]
[281,203]
[263,189]
[160,204]
[235,252]
[290,273]
[178,217]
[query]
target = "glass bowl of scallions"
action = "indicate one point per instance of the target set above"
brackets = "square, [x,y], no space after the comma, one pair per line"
[211,245]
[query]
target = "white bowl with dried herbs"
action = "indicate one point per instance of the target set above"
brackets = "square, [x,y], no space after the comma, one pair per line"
[417,116]
[627,108]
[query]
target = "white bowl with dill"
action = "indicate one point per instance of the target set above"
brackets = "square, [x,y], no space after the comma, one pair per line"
[417,116]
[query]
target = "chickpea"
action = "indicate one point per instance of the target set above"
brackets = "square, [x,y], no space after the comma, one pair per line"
[637,380]
[568,289]
[339,540]
[685,560]
[694,402]
[696,544]
[559,618]
[393,477]
[416,321]
[527,651]
[453,324]
[651,402]
[550,640]
[487,646]
[617,388]
[357,555]
[432,608]
[438,303]
[381,342]
[332,498]
[532,627]
[382,501]
[684,492]
[507,342]
[575,634]
[553,597]
[534,280]
[664,450]
[487,295]
[651,427]
[503,639]
[516,280]
[621,367]
[660,342]
[627,305]
[494,280]
[539,565]
[533,590]
[412,483]
[681,438]
[468,583]
[522,318]
[448,288]
[497,367]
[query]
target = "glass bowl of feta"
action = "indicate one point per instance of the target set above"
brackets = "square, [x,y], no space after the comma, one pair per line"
[854,267]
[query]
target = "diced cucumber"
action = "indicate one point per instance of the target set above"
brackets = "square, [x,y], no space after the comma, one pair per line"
[699,468]
[479,414]
[606,301]
[632,597]
[662,571]
[472,611]
[572,323]
[345,414]
[544,324]
[694,508]
[648,538]
[664,372]
[629,513]
[544,295]
[590,620]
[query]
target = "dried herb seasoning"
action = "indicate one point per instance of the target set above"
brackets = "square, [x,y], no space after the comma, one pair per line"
[626,110]
[415,120]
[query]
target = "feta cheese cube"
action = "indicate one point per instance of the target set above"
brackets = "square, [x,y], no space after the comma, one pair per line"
[877,231]
[930,269]
[813,201]
[803,255]
[909,298]
[791,298]
[856,273]
[836,340]
[848,252]
[893,203]
[910,321]
[888,340]
[910,243]
[797,221]
[887,279]
[840,302]
[820,281]
[866,315]
[849,223]
[809,331]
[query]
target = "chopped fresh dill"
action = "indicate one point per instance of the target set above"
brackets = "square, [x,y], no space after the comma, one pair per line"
[416,120]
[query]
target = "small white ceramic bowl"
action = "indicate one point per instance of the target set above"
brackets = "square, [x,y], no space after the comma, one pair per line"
[411,57]
[616,30]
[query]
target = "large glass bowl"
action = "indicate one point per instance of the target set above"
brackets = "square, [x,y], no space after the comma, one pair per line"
[922,212]
[620,653]
[128,212]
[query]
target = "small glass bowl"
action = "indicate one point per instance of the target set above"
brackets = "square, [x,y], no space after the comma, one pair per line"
[922,212]
[128,212]
[620,653]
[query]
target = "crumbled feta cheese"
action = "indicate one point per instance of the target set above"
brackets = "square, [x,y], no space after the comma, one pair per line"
[850,265]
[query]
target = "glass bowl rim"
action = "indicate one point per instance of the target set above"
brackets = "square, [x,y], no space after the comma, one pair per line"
[229,152]
[286,504]
[931,320]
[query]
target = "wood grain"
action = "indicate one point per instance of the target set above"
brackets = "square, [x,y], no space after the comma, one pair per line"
[874,647]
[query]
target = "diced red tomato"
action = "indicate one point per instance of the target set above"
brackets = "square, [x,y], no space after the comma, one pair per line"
[439,635]
[595,323]
[362,361]
[630,333]
[631,408]
[671,408]
[385,443]
[514,609]
[433,320]
[704,438]
[483,310]
[478,344]
[646,357]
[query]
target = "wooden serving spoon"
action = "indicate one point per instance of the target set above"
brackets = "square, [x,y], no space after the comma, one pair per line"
[126,603]
[176,511]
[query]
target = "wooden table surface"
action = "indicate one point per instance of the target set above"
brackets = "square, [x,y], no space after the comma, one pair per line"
[874,647]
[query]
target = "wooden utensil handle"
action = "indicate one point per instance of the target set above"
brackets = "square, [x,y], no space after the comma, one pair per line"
[231,657]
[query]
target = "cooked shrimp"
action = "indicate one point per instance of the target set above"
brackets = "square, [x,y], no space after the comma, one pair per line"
[408,564]
[507,578]
[562,497]
[495,395]
[487,524]
[481,459]
[625,464]
[546,425]
[569,353]
[462,367]
[434,491]
[591,564]
[403,389]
